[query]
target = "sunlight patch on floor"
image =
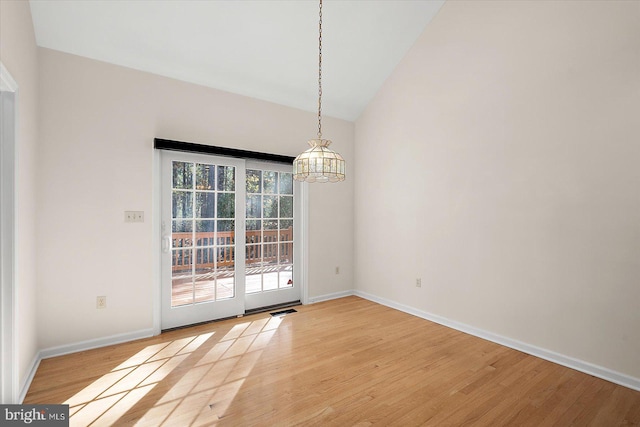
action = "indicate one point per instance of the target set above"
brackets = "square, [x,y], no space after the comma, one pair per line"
[105,400]
[203,395]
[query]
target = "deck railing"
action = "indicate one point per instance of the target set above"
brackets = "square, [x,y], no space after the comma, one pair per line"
[211,249]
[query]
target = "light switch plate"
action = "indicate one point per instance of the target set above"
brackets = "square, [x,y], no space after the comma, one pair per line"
[133,216]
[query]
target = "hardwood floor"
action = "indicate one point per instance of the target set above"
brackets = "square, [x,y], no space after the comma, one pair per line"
[343,362]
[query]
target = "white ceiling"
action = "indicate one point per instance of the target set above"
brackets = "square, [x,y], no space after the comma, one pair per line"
[266,49]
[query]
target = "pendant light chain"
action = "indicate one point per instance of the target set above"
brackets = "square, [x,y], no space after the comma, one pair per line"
[320,74]
[319,163]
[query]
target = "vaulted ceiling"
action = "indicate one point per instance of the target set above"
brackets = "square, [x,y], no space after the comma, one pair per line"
[266,49]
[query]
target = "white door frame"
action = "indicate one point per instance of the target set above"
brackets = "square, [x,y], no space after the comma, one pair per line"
[8,348]
[157,242]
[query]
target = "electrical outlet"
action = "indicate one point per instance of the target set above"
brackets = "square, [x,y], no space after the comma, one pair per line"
[418,283]
[101,302]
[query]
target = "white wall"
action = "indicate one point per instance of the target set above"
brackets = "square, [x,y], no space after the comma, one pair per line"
[500,163]
[97,126]
[18,53]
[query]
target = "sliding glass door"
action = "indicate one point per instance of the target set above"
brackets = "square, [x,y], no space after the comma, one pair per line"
[269,236]
[227,237]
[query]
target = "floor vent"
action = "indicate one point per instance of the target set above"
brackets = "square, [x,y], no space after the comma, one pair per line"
[268,308]
[283,312]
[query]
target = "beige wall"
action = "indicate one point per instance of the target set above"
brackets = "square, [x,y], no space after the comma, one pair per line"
[97,128]
[18,53]
[500,163]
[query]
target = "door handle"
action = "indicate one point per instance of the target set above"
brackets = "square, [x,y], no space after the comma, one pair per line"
[166,244]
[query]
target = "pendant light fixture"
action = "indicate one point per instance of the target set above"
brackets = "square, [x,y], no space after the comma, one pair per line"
[319,163]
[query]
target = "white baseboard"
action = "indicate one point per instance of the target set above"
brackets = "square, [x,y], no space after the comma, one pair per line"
[95,343]
[569,362]
[79,346]
[327,297]
[24,387]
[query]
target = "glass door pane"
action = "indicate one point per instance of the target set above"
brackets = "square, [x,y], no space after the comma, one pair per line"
[269,241]
[182,234]
[203,232]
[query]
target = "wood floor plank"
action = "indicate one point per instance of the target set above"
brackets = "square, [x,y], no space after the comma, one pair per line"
[345,362]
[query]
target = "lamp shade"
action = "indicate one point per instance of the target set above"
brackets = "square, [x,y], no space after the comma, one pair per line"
[319,163]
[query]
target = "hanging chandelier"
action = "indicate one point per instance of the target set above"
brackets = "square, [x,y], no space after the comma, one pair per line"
[319,163]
